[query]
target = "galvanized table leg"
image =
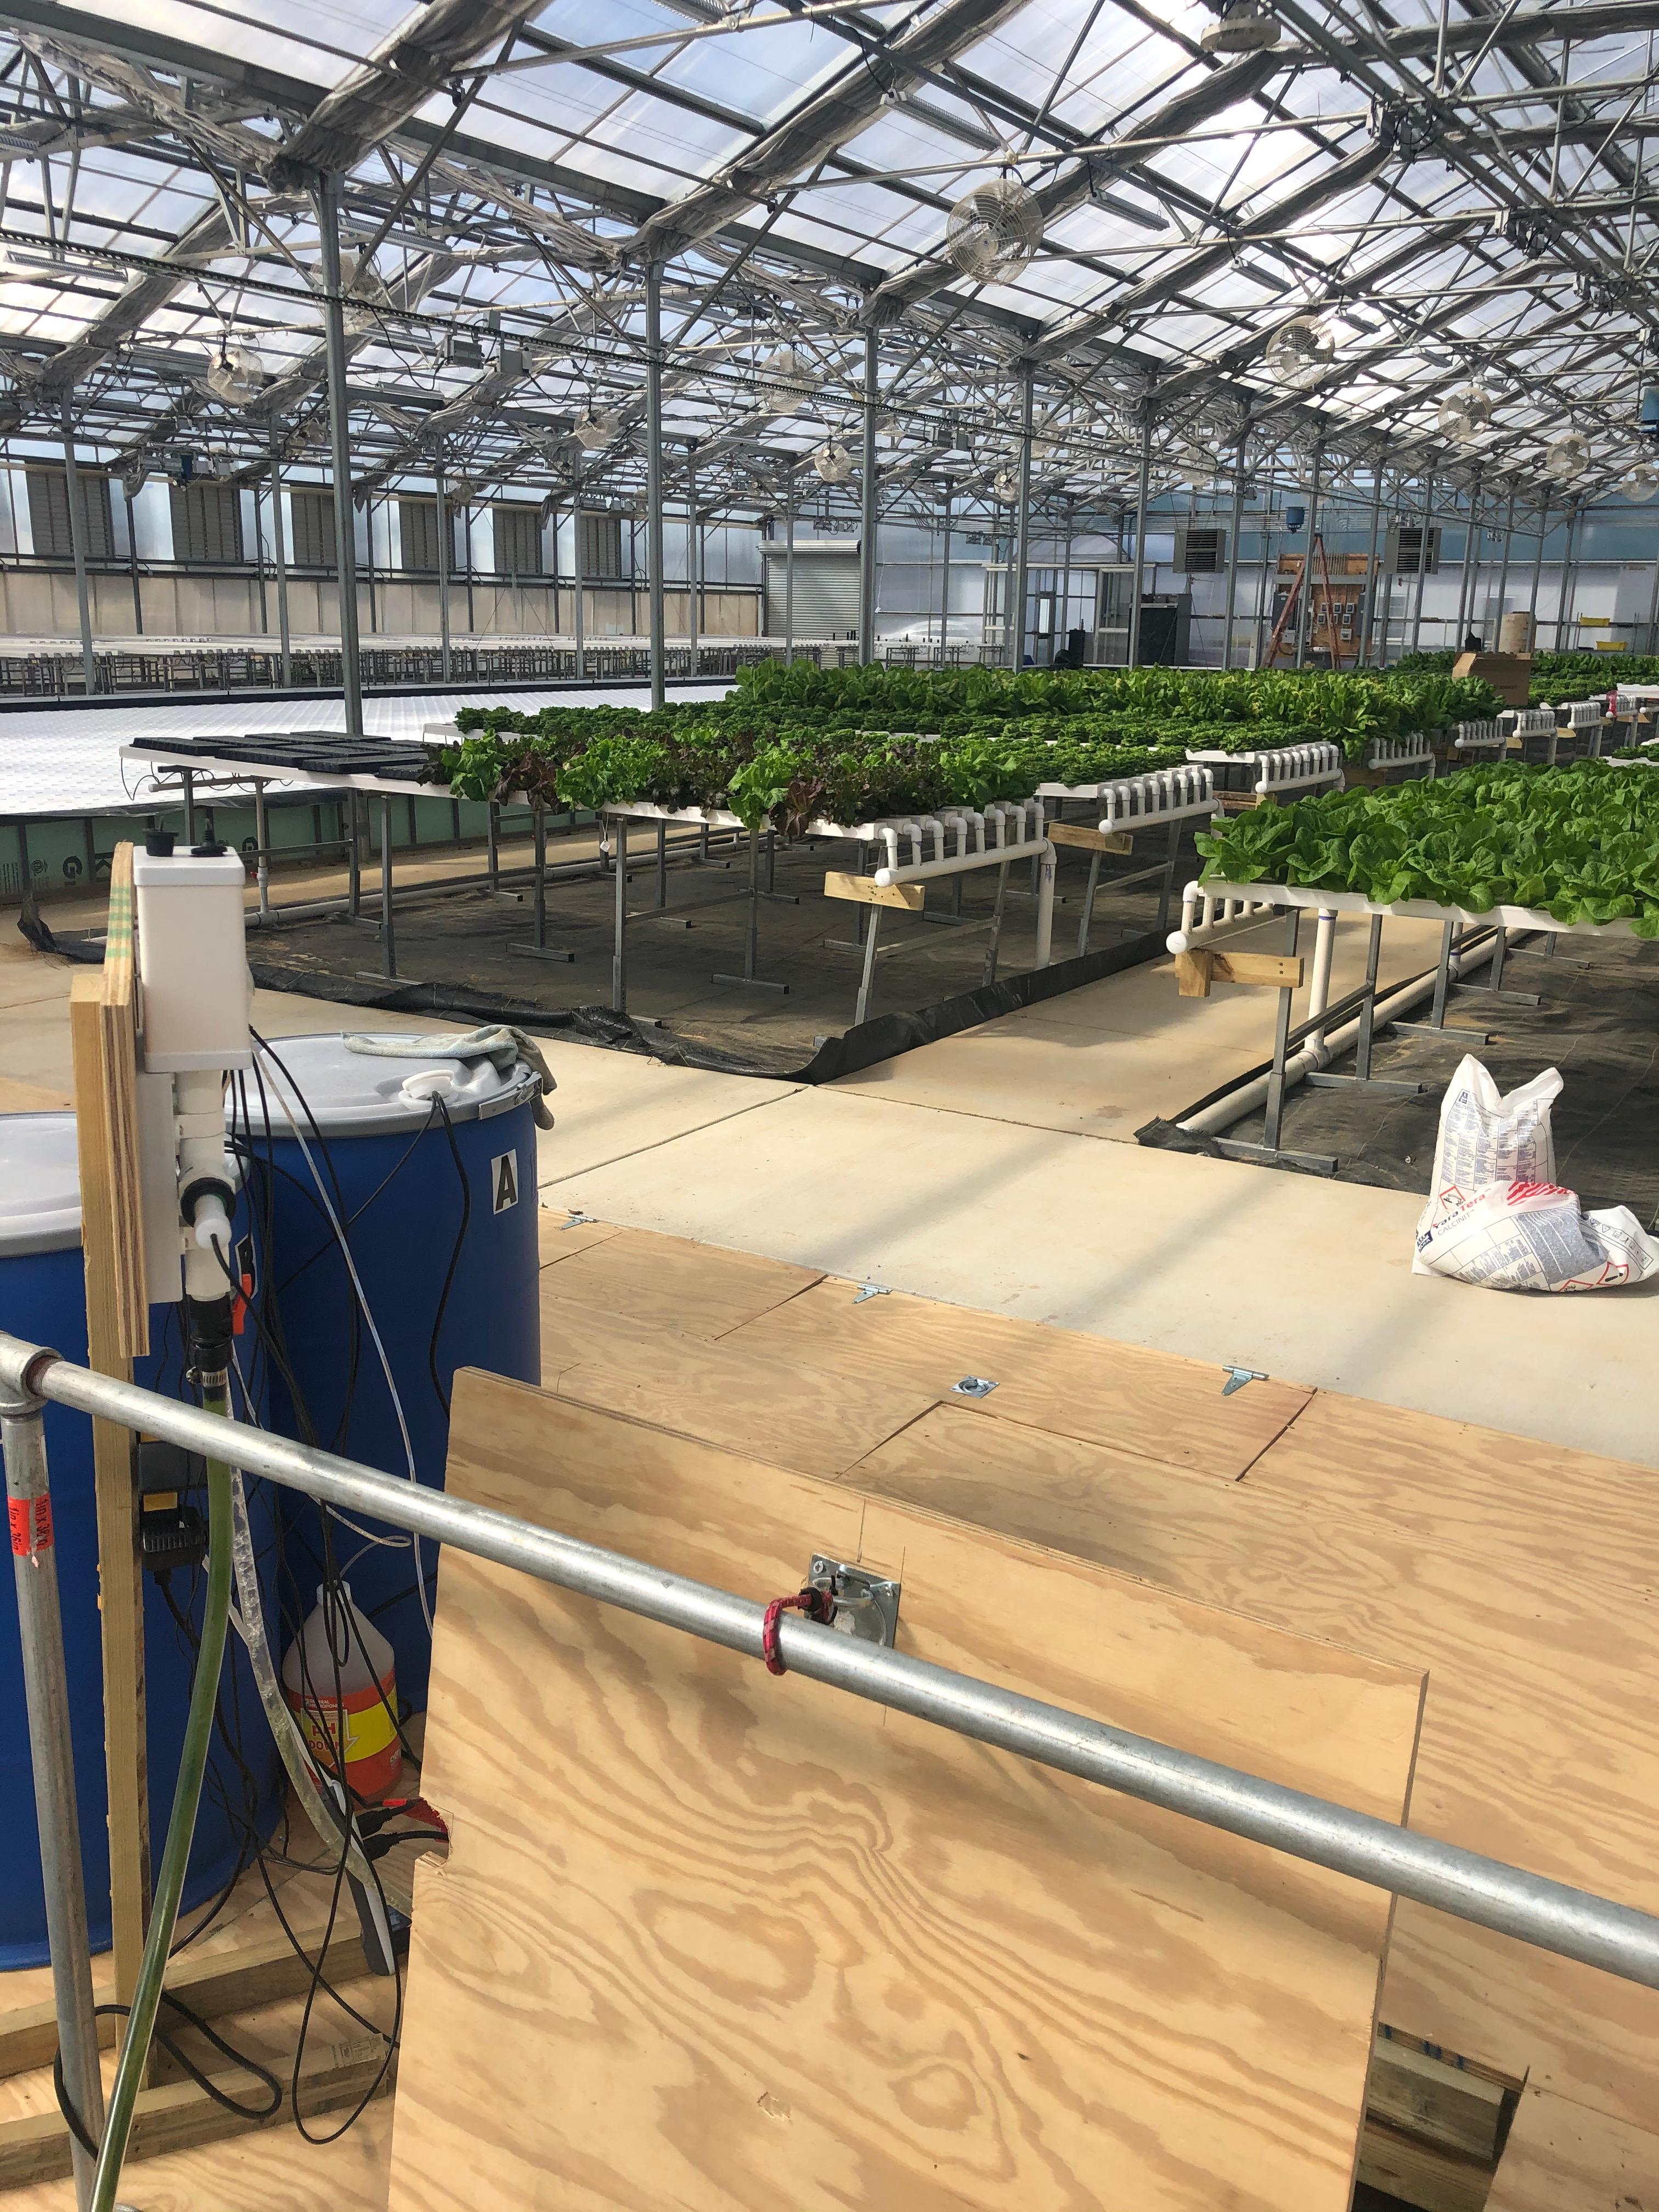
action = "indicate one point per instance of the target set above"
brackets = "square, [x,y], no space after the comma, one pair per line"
[188,783]
[1166,890]
[1088,904]
[1442,978]
[262,840]
[751,933]
[868,978]
[353,858]
[662,864]
[1500,947]
[45,1686]
[619,951]
[494,846]
[1362,1063]
[1281,1043]
[990,972]
[388,941]
[538,948]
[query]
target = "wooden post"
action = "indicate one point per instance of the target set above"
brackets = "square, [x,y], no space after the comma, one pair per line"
[103,1039]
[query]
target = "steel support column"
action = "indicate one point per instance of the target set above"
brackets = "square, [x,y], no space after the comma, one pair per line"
[693,556]
[339,425]
[1537,576]
[576,563]
[1504,570]
[1143,490]
[78,546]
[443,565]
[868,525]
[653,529]
[1373,576]
[1019,577]
[1305,612]
[789,573]
[944,586]
[1425,539]
[1235,531]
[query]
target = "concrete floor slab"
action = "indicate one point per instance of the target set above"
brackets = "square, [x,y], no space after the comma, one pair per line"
[1307,1280]
[1115,1054]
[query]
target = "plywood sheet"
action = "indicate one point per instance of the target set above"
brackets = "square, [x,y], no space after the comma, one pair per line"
[562,1235]
[1152,1402]
[1502,1497]
[1563,2157]
[707,1939]
[797,1417]
[674,1282]
[1534,1748]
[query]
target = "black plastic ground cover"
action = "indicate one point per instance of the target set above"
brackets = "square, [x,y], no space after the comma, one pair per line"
[464,691]
[1598,1024]
[860,1047]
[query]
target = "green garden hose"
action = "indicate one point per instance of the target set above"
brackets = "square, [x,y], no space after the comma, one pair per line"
[181,1826]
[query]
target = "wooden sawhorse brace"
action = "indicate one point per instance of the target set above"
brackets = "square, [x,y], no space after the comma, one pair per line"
[906,888]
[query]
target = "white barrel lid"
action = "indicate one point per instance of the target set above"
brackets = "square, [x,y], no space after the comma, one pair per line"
[39,1184]
[358,1094]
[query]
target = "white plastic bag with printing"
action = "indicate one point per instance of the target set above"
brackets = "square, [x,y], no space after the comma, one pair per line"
[1496,1215]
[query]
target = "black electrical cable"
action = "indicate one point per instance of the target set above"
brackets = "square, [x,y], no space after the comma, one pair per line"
[186,2065]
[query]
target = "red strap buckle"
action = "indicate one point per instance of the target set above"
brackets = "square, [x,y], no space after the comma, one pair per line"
[817,1605]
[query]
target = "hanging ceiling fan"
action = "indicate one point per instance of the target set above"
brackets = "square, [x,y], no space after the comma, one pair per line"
[237,376]
[1301,351]
[1465,414]
[993,231]
[833,462]
[1568,457]
[593,432]
[1247,27]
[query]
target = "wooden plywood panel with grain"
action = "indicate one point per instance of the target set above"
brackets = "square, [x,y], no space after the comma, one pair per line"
[1534,1748]
[673,1282]
[796,1416]
[561,1235]
[1151,1402]
[1473,1489]
[1563,2157]
[707,1939]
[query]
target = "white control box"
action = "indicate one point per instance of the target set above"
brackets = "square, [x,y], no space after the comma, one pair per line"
[195,991]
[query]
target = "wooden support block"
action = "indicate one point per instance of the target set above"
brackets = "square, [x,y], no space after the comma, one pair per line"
[179,2115]
[119,1580]
[1422,2174]
[1090,841]
[865,891]
[1277,969]
[1194,971]
[1460,2108]
[214,1984]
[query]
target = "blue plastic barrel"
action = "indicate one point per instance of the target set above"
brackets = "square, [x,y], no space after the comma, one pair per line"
[441,1220]
[43,1299]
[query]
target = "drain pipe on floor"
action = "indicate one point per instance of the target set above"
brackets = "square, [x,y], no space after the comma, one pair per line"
[1219,1113]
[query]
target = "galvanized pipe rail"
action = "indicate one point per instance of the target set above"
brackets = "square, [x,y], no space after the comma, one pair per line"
[1574,1923]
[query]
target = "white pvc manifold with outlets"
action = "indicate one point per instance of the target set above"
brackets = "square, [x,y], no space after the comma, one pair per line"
[1283,767]
[1168,794]
[1205,917]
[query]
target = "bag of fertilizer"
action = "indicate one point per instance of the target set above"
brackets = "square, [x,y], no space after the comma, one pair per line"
[1496,1215]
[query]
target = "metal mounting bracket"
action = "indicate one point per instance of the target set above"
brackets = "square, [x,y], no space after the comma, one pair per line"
[973,1386]
[865,1605]
[1238,1376]
[871,1291]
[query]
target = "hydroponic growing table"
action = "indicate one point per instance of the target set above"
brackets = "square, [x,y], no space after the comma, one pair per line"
[953,843]
[1213,913]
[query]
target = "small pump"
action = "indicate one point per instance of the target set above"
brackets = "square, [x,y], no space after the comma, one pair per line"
[340,1677]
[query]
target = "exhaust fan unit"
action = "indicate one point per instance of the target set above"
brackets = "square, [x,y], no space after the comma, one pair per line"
[1301,352]
[1642,484]
[1465,414]
[994,232]
[1247,27]
[237,376]
[1568,457]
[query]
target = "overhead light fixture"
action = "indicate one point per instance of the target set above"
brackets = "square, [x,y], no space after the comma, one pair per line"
[1247,27]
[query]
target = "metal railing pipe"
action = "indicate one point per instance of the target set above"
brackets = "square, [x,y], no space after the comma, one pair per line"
[1572,1922]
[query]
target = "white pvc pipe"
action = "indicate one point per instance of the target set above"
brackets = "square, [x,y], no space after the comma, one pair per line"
[955,863]
[1319,982]
[1318,1053]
